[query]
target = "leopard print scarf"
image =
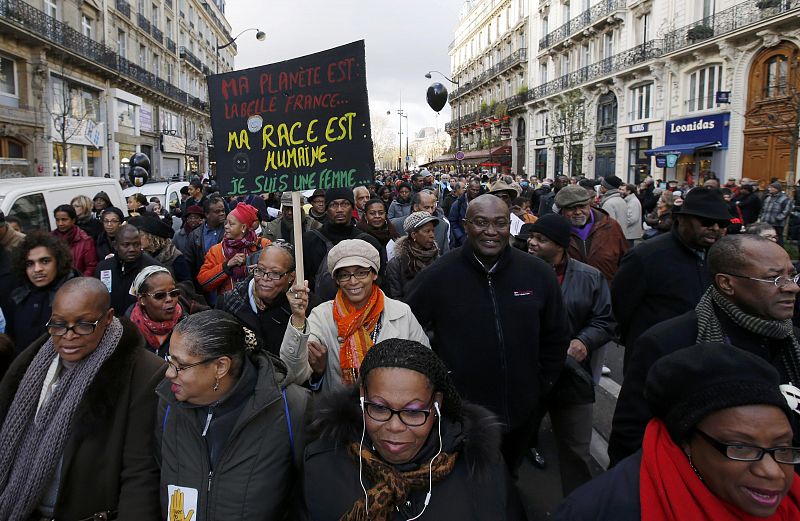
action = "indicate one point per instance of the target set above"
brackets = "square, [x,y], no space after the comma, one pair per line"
[392,487]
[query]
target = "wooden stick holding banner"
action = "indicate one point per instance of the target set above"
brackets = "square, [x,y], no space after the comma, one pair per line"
[297,222]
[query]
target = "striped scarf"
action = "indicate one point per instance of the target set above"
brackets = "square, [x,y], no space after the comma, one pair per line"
[709,329]
[33,443]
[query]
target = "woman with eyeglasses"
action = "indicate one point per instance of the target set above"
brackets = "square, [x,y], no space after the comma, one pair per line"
[401,444]
[230,427]
[327,349]
[157,309]
[720,446]
[43,263]
[415,251]
[77,417]
[260,302]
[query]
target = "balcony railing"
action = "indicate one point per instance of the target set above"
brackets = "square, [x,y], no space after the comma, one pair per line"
[219,23]
[191,58]
[171,47]
[124,8]
[723,22]
[143,22]
[24,16]
[506,63]
[157,34]
[594,14]
[168,3]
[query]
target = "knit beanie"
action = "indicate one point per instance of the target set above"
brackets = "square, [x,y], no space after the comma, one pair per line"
[245,214]
[410,354]
[611,182]
[555,227]
[332,194]
[688,385]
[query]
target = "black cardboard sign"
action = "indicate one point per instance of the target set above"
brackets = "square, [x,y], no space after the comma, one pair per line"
[296,125]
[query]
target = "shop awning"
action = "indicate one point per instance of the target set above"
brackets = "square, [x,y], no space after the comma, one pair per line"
[686,148]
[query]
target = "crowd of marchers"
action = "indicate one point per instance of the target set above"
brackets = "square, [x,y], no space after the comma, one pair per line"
[171,362]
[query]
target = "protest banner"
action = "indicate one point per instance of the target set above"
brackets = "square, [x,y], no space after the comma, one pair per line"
[295,125]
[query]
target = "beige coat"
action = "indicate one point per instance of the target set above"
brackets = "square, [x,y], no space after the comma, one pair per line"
[398,322]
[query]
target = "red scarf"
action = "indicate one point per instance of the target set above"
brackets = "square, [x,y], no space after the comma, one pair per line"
[70,236]
[669,489]
[155,333]
[354,326]
[246,245]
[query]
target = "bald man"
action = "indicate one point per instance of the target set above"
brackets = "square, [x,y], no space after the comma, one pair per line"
[96,387]
[504,334]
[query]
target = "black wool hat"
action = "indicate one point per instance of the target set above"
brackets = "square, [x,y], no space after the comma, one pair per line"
[611,182]
[686,386]
[704,202]
[152,225]
[333,194]
[553,226]
[116,211]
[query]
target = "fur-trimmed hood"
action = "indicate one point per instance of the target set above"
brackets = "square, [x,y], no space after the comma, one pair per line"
[476,436]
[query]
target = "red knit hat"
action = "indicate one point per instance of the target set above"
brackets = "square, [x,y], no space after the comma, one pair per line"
[245,214]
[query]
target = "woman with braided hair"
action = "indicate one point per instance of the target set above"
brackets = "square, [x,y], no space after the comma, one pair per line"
[402,443]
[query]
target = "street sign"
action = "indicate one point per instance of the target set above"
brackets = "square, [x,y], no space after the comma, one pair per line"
[723,96]
[661,162]
[459,155]
[672,160]
[505,131]
[408,158]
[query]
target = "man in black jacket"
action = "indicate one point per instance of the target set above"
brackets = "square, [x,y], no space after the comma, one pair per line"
[502,328]
[749,306]
[667,275]
[119,271]
[748,202]
[260,302]
[205,236]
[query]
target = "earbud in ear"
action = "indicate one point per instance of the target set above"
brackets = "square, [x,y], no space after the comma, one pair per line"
[361,400]
[438,411]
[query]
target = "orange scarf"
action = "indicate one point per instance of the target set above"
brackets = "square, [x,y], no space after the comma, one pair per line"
[354,327]
[669,489]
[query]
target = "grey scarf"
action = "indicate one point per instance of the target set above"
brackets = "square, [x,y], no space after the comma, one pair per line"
[709,329]
[33,443]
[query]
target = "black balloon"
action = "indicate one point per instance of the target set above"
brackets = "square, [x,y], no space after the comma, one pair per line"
[139,159]
[139,175]
[437,96]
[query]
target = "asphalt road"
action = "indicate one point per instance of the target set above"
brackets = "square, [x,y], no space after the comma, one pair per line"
[540,490]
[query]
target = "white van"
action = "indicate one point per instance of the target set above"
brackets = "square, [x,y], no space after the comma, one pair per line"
[168,193]
[33,199]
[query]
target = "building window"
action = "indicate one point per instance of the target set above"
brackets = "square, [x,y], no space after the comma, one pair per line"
[541,123]
[544,25]
[703,85]
[168,28]
[122,44]
[8,77]
[708,8]
[558,164]
[542,73]
[576,160]
[608,44]
[585,56]
[638,161]
[141,7]
[565,12]
[51,8]
[565,64]
[86,26]
[156,65]
[541,163]
[607,112]
[11,148]
[645,25]
[155,16]
[641,102]
[777,71]
[143,56]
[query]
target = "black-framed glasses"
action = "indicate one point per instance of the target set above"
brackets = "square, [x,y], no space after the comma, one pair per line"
[79,328]
[343,276]
[743,452]
[781,281]
[269,275]
[410,417]
[179,368]
[161,295]
[485,224]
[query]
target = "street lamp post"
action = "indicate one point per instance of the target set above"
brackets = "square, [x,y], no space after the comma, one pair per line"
[401,114]
[458,112]
[260,36]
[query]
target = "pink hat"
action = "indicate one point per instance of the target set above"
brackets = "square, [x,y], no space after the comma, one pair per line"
[245,214]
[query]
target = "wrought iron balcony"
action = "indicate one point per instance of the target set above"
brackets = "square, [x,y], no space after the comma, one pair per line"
[157,34]
[513,59]
[26,17]
[592,15]
[611,65]
[171,47]
[191,58]
[143,22]
[124,8]
[219,23]
[727,21]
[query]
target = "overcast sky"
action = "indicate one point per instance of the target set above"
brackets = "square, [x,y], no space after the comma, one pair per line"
[404,40]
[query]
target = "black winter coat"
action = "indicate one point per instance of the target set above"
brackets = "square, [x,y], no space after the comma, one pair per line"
[657,280]
[478,488]
[611,496]
[269,325]
[122,276]
[503,333]
[633,412]
[749,205]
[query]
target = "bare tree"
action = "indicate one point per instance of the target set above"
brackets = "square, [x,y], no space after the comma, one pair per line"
[70,113]
[384,142]
[567,124]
